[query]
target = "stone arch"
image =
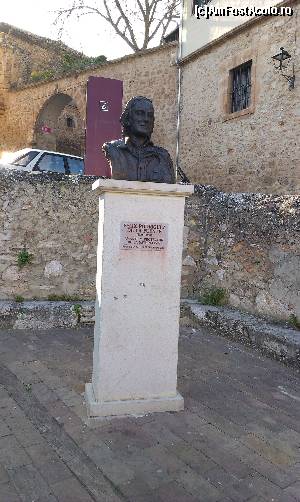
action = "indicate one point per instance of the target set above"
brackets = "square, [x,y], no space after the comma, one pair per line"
[52,129]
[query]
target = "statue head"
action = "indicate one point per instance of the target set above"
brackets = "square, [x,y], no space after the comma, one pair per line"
[137,118]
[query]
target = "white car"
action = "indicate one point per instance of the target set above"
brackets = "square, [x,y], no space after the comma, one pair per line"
[31,159]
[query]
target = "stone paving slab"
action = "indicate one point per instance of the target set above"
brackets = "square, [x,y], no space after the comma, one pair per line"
[238,439]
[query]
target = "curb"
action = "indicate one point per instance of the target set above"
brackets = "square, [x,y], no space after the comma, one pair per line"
[45,314]
[274,340]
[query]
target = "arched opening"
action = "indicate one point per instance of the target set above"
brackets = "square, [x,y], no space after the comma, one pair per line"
[59,126]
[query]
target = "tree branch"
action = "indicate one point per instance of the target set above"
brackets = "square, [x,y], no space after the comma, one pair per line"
[126,17]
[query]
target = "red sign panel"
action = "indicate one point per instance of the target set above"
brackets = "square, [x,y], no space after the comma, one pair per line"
[104,108]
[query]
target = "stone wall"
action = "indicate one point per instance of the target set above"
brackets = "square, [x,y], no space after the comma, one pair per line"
[70,136]
[151,73]
[257,150]
[54,217]
[28,57]
[247,245]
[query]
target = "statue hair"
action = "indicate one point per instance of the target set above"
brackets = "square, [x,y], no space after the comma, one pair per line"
[125,117]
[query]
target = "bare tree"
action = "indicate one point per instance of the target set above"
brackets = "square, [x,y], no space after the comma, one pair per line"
[138,22]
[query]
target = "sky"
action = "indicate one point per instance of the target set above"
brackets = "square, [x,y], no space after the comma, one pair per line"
[90,35]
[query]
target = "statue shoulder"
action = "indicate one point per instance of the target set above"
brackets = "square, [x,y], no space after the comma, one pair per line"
[111,148]
[168,163]
[164,153]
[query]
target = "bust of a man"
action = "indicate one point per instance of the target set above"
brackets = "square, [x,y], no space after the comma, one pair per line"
[135,158]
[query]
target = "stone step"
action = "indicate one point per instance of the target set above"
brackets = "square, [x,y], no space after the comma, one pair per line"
[276,340]
[45,314]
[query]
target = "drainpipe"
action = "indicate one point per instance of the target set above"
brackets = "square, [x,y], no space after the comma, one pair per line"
[179,53]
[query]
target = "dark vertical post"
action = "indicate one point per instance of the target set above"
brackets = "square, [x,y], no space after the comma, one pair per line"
[103,111]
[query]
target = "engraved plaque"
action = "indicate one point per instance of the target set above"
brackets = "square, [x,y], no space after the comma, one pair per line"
[143,236]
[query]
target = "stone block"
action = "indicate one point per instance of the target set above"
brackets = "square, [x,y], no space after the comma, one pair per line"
[138,292]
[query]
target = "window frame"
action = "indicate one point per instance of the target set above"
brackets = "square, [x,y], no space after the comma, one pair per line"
[233,72]
[70,122]
[36,166]
[67,159]
[15,162]
[225,84]
[200,3]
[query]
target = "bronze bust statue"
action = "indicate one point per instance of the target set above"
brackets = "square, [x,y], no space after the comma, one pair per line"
[135,158]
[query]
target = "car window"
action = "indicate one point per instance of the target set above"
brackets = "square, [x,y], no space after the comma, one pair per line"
[52,163]
[25,159]
[75,165]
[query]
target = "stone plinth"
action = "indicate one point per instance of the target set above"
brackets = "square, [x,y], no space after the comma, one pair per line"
[138,298]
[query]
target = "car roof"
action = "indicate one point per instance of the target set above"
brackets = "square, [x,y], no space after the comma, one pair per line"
[26,150]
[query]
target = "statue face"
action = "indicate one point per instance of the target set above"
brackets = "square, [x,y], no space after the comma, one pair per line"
[142,118]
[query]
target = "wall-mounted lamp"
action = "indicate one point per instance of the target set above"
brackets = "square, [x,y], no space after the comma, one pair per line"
[281,57]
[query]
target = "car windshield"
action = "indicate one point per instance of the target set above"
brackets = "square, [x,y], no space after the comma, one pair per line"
[24,160]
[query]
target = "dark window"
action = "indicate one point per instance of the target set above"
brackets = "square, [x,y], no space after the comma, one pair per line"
[199,3]
[241,87]
[75,165]
[51,163]
[25,159]
[70,122]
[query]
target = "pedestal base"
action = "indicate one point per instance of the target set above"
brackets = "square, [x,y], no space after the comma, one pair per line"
[130,407]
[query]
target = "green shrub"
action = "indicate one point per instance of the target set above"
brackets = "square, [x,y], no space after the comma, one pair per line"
[214,296]
[71,62]
[24,258]
[77,309]
[19,299]
[36,75]
[294,321]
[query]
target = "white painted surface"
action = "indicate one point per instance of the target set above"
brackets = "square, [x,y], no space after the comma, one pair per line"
[137,307]
[198,32]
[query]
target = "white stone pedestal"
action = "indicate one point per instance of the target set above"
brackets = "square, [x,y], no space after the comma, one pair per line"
[138,298]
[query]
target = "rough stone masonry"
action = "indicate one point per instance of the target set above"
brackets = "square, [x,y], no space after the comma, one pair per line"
[246,244]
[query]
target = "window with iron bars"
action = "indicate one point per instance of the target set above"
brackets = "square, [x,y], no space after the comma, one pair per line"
[70,122]
[199,3]
[241,87]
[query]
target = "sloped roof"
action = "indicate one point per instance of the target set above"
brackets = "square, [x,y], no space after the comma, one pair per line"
[173,36]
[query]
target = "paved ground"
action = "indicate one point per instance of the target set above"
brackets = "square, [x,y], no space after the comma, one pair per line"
[237,440]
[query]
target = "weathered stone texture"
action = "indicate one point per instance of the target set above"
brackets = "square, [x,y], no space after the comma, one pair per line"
[70,139]
[26,55]
[259,151]
[55,218]
[247,244]
[151,73]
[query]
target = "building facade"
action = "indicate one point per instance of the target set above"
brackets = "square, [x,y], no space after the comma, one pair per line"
[217,18]
[239,116]
[46,109]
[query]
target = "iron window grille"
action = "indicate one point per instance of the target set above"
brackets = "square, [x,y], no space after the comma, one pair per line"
[70,122]
[241,87]
[199,3]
